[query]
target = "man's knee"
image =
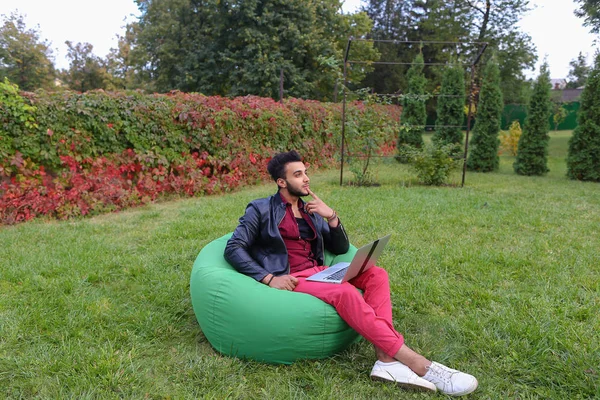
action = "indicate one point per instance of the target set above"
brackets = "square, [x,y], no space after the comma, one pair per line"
[378,273]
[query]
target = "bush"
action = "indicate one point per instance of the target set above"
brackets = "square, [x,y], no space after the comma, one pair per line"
[369,133]
[70,154]
[532,152]
[433,163]
[414,113]
[509,140]
[450,106]
[483,156]
[583,159]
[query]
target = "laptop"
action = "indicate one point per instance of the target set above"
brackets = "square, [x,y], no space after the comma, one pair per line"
[364,259]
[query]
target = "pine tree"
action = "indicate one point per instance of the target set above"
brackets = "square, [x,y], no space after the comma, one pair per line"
[483,156]
[532,153]
[583,159]
[450,107]
[414,114]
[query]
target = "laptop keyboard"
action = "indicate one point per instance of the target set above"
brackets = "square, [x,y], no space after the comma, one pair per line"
[336,276]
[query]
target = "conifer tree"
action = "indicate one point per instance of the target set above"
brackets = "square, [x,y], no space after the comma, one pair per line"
[450,107]
[483,154]
[532,153]
[414,114]
[583,159]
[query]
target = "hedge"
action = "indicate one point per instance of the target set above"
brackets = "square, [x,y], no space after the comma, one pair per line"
[66,154]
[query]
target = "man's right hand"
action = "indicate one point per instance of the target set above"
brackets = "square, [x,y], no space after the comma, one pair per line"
[285,282]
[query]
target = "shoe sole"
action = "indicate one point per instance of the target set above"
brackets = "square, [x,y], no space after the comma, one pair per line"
[409,386]
[470,390]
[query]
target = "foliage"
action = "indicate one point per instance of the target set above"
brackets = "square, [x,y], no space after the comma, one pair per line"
[559,114]
[532,154]
[583,160]
[69,154]
[368,133]
[509,140]
[450,106]
[414,113]
[493,21]
[120,62]
[590,11]
[579,72]
[17,121]
[483,154]
[237,47]
[434,162]
[25,59]
[85,69]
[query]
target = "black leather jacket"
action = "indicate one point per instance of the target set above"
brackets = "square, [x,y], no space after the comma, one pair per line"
[257,248]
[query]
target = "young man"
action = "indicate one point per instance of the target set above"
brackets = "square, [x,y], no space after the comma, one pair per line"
[280,242]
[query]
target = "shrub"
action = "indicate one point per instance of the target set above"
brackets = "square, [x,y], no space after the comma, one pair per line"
[433,163]
[72,154]
[483,155]
[450,108]
[509,140]
[532,152]
[583,159]
[414,114]
[368,134]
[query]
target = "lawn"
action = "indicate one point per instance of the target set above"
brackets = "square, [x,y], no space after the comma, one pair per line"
[500,278]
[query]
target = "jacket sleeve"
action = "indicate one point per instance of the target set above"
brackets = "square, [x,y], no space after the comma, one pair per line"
[237,251]
[335,239]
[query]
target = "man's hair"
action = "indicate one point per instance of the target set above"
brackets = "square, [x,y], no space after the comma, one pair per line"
[276,166]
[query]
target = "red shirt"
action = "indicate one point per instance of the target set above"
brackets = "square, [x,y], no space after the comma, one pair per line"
[300,254]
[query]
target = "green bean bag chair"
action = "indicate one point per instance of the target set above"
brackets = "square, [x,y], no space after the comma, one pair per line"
[244,318]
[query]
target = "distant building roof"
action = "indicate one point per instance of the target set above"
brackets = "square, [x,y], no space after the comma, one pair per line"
[558,84]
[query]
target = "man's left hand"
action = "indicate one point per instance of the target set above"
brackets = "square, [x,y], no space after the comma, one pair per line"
[316,205]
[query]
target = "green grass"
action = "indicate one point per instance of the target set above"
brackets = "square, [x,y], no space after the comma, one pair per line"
[500,278]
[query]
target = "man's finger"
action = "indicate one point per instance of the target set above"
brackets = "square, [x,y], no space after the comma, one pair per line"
[314,196]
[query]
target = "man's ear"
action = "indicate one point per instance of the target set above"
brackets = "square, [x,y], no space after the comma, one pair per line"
[281,183]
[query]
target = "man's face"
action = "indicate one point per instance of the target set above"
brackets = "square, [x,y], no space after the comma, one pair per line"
[296,181]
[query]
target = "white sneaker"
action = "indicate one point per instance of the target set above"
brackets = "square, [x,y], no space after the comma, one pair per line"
[401,375]
[450,381]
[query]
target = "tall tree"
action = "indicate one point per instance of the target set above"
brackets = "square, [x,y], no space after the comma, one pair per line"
[120,63]
[532,153]
[583,159]
[25,59]
[483,156]
[589,10]
[450,107]
[579,72]
[491,21]
[239,47]
[414,114]
[86,71]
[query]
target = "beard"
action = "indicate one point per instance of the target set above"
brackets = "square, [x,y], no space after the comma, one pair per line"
[296,191]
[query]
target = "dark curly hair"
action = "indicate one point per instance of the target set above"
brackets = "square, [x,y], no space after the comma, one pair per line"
[276,166]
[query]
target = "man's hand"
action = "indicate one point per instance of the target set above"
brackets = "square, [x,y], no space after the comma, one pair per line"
[284,282]
[316,205]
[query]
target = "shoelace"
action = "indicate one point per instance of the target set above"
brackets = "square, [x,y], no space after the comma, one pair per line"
[442,374]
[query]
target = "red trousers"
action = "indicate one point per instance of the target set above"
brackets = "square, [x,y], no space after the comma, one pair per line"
[369,314]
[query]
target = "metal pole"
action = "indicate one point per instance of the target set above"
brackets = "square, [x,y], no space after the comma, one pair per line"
[281,86]
[343,125]
[344,110]
[469,117]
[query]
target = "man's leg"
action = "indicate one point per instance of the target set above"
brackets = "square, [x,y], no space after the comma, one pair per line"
[353,309]
[379,330]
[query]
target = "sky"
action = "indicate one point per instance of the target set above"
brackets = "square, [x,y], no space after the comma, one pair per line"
[556,32]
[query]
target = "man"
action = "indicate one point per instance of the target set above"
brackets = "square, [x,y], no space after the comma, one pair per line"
[280,241]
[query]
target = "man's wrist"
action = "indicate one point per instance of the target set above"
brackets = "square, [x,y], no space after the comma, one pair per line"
[332,217]
[267,279]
